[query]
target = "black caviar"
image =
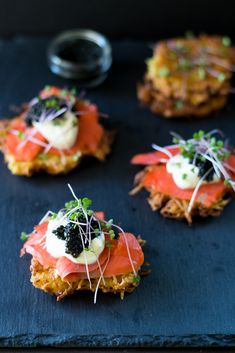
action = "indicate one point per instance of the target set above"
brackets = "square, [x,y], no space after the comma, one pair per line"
[50,105]
[204,166]
[74,235]
[59,232]
[80,51]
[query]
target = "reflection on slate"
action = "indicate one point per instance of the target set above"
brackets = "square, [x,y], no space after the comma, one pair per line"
[188,299]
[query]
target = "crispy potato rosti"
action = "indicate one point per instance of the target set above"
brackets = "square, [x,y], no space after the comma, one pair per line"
[51,164]
[188,76]
[49,281]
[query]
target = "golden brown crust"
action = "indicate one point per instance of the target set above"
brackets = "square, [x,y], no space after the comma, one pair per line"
[51,164]
[49,281]
[196,80]
[168,107]
[171,207]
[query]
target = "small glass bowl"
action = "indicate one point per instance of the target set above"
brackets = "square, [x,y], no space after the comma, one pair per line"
[82,55]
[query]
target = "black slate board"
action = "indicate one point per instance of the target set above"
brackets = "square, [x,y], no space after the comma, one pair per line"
[189,298]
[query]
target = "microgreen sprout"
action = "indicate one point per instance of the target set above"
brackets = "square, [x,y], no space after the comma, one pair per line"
[23,236]
[20,134]
[43,156]
[136,279]
[226,41]
[164,71]
[179,104]
[201,73]
[221,77]
[88,225]
[111,234]
[53,215]
[184,64]
[209,151]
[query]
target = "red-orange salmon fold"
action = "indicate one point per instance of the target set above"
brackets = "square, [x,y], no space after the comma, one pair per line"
[89,136]
[113,261]
[161,181]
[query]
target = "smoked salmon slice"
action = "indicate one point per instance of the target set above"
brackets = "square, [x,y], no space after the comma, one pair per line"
[206,189]
[116,255]
[89,136]
[151,158]
[90,131]
[161,181]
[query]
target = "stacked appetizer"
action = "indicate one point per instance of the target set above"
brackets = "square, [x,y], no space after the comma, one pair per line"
[76,249]
[189,178]
[188,76]
[52,134]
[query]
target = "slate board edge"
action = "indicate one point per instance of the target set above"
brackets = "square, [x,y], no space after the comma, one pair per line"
[100,341]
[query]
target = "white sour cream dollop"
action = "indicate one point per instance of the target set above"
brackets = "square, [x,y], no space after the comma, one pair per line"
[56,247]
[185,174]
[60,133]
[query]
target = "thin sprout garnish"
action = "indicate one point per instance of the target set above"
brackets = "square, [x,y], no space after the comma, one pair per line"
[208,151]
[78,225]
[42,110]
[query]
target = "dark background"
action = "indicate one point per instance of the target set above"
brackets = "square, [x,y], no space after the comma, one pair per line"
[118,18]
[189,298]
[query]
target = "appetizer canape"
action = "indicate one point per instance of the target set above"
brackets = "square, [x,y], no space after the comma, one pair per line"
[52,134]
[76,249]
[194,177]
[188,76]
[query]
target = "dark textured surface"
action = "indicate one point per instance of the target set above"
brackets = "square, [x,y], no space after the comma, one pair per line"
[189,298]
[118,18]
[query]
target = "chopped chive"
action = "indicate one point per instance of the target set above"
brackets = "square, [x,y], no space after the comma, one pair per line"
[184,64]
[201,73]
[164,71]
[226,41]
[21,135]
[47,88]
[23,236]
[43,156]
[221,77]
[179,104]
[136,279]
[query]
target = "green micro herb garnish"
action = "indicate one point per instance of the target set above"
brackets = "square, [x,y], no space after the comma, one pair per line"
[226,41]
[221,77]
[164,71]
[209,153]
[111,234]
[43,156]
[201,73]
[136,279]
[203,143]
[184,64]
[179,104]
[21,135]
[83,204]
[23,236]
[53,215]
